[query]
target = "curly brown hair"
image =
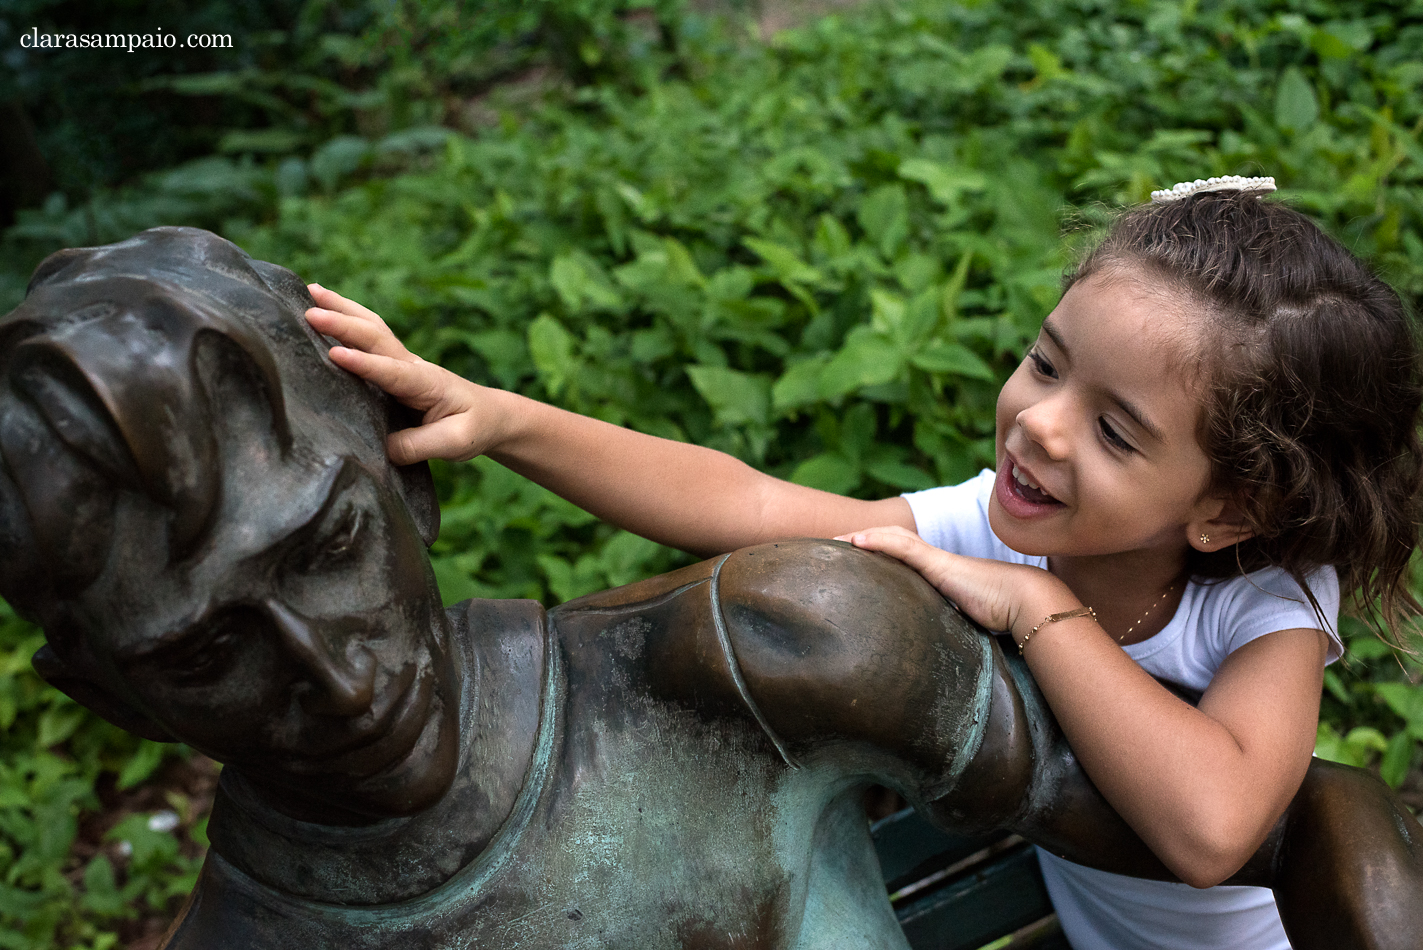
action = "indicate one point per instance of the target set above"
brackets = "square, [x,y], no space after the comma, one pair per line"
[1311,387]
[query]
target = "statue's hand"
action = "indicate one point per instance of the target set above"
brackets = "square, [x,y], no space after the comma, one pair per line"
[461,418]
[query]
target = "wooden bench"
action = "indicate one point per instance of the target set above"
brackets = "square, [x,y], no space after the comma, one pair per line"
[954,893]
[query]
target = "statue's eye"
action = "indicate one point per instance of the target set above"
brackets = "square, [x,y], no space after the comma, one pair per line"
[337,543]
[206,655]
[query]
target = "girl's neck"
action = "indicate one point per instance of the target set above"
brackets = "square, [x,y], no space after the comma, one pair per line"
[1134,597]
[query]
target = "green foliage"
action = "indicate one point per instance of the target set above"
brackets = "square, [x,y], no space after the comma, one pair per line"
[52,752]
[822,255]
[312,94]
[1372,709]
[103,115]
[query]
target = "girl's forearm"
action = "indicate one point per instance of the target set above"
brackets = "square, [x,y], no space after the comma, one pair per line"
[686,496]
[682,495]
[1202,786]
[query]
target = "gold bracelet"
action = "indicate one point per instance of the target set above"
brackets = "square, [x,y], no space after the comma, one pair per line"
[1054,618]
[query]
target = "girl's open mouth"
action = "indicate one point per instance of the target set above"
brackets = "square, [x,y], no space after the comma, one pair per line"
[1024,488]
[1019,495]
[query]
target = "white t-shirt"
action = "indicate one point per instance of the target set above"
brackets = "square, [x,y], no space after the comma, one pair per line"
[1102,911]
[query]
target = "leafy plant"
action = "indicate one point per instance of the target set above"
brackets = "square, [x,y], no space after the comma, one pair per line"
[1373,707]
[52,753]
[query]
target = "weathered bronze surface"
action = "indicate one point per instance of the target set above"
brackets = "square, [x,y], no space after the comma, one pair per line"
[196,506]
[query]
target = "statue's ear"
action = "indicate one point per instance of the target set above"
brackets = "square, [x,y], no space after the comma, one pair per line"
[417,485]
[86,692]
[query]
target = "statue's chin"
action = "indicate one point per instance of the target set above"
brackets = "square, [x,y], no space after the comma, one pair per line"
[408,786]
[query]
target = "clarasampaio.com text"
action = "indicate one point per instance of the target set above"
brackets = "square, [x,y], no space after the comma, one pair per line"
[158,39]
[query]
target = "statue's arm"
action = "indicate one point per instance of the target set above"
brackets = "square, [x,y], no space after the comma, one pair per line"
[849,654]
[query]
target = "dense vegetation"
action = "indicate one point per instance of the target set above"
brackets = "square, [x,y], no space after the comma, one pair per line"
[821,253]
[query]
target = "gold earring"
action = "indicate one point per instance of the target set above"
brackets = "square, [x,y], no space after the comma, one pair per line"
[1205,539]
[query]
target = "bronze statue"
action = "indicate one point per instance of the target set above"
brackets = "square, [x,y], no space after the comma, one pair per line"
[196,506]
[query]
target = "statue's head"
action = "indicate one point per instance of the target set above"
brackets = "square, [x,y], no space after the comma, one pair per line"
[196,506]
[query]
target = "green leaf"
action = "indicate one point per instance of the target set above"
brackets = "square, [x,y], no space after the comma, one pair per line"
[1296,107]
[142,763]
[454,579]
[800,384]
[734,396]
[275,141]
[953,288]
[896,473]
[204,84]
[886,311]
[1368,647]
[867,359]
[1341,40]
[1404,699]
[1046,63]
[1357,748]
[1366,737]
[945,182]
[577,281]
[1397,757]
[152,850]
[1335,686]
[831,238]
[884,214]
[786,263]
[101,891]
[551,347]
[680,264]
[338,158]
[58,723]
[828,472]
[952,359]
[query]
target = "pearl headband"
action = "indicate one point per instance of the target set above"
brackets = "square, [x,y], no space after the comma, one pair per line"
[1225,183]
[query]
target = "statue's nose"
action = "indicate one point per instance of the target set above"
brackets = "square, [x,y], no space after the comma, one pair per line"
[342,677]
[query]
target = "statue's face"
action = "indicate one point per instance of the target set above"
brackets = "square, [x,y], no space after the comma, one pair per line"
[226,551]
[304,644]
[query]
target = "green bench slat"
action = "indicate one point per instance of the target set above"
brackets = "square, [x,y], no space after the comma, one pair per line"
[984,905]
[910,848]
[969,908]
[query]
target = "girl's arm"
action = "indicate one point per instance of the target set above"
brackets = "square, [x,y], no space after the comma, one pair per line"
[1203,785]
[678,494]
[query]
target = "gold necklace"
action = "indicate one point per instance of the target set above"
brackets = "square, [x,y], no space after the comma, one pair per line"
[1169,587]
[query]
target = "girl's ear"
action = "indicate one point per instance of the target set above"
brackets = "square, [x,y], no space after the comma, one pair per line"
[1219,524]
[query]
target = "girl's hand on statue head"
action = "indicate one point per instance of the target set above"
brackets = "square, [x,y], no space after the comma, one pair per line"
[455,410]
[356,327]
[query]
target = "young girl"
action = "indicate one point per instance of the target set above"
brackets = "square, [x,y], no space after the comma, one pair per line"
[1214,432]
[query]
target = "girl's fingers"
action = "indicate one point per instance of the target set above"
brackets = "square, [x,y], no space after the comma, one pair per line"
[904,545]
[892,540]
[330,300]
[358,334]
[413,383]
[445,438]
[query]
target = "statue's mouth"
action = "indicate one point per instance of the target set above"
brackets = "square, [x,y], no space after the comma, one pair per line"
[387,740]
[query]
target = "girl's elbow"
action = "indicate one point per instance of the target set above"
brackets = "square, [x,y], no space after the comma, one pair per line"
[1209,873]
[1212,855]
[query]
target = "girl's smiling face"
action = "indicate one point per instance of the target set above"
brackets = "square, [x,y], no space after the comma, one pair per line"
[1097,448]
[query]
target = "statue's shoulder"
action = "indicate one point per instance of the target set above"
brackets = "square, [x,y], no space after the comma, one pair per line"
[839,644]
[807,598]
